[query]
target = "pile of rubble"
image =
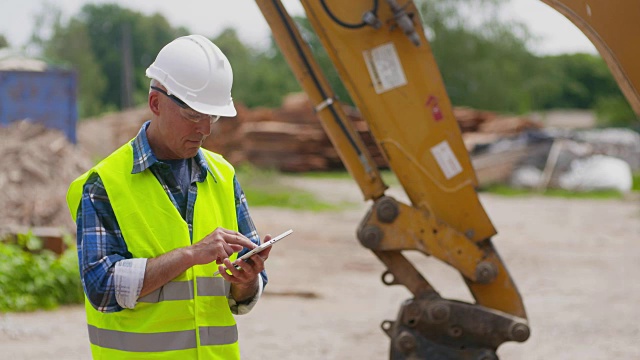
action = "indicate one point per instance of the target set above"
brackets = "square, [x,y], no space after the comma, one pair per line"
[37,166]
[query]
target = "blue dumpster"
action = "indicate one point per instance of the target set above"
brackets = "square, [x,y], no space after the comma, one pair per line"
[45,97]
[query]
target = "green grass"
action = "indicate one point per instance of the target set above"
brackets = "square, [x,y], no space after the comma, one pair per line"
[285,198]
[505,190]
[338,175]
[263,188]
[388,177]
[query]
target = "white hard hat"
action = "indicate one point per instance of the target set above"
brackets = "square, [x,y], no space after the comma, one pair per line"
[195,70]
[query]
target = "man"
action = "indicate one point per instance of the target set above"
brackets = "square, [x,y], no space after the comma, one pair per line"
[160,215]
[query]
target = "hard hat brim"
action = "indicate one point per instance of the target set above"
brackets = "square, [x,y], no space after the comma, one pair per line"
[228,110]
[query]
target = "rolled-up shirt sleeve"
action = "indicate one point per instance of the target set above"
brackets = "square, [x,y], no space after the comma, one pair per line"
[129,278]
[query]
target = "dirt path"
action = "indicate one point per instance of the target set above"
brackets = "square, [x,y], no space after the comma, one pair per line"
[574,261]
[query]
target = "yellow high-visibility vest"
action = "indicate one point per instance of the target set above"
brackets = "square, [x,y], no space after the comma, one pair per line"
[189,317]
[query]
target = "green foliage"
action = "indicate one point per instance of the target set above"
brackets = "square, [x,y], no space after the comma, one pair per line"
[484,65]
[36,279]
[263,78]
[260,78]
[636,182]
[93,43]
[72,44]
[615,111]
[3,42]
[581,81]
[322,58]
[578,80]
[108,26]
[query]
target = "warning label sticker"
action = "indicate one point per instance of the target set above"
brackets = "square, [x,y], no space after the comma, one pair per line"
[446,159]
[384,68]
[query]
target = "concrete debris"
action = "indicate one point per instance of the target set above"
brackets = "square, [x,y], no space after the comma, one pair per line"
[38,164]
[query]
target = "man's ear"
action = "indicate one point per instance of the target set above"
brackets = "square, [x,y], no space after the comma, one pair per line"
[154,103]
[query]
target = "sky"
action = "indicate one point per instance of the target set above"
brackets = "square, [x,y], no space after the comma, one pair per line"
[555,34]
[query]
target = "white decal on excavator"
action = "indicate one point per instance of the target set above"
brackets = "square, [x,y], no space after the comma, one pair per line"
[447,160]
[384,67]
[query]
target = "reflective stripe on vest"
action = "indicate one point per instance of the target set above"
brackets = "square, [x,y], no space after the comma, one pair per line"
[163,341]
[183,290]
[192,309]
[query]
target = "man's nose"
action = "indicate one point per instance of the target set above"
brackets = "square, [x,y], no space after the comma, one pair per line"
[204,126]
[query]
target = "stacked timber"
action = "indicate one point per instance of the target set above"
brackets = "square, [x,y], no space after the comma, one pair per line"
[289,138]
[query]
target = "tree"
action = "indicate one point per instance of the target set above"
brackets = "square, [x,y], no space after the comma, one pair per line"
[108,27]
[261,78]
[93,43]
[484,63]
[71,44]
[3,42]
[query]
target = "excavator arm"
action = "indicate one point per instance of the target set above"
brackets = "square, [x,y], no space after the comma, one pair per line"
[385,62]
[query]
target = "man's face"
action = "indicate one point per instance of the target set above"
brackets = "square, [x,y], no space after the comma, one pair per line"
[180,131]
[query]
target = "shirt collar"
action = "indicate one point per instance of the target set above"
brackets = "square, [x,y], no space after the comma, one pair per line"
[144,158]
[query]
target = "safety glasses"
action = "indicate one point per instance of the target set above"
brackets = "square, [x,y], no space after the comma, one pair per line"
[191,115]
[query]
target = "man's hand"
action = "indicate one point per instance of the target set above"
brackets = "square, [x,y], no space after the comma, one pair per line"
[244,281]
[218,246]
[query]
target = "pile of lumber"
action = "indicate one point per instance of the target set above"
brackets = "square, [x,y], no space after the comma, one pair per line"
[289,138]
[484,127]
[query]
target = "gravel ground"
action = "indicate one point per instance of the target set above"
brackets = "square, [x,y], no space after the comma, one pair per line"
[574,262]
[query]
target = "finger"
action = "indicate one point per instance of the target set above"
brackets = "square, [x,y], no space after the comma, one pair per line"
[225,231]
[223,272]
[239,239]
[255,266]
[264,254]
[235,237]
[233,248]
[236,269]
[228,267]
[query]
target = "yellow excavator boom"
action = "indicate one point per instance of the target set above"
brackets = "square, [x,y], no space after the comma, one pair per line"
[385,61]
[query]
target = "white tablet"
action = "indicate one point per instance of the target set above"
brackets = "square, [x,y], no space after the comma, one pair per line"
[260,248]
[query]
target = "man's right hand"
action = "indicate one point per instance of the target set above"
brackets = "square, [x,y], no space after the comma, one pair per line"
[219,245]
